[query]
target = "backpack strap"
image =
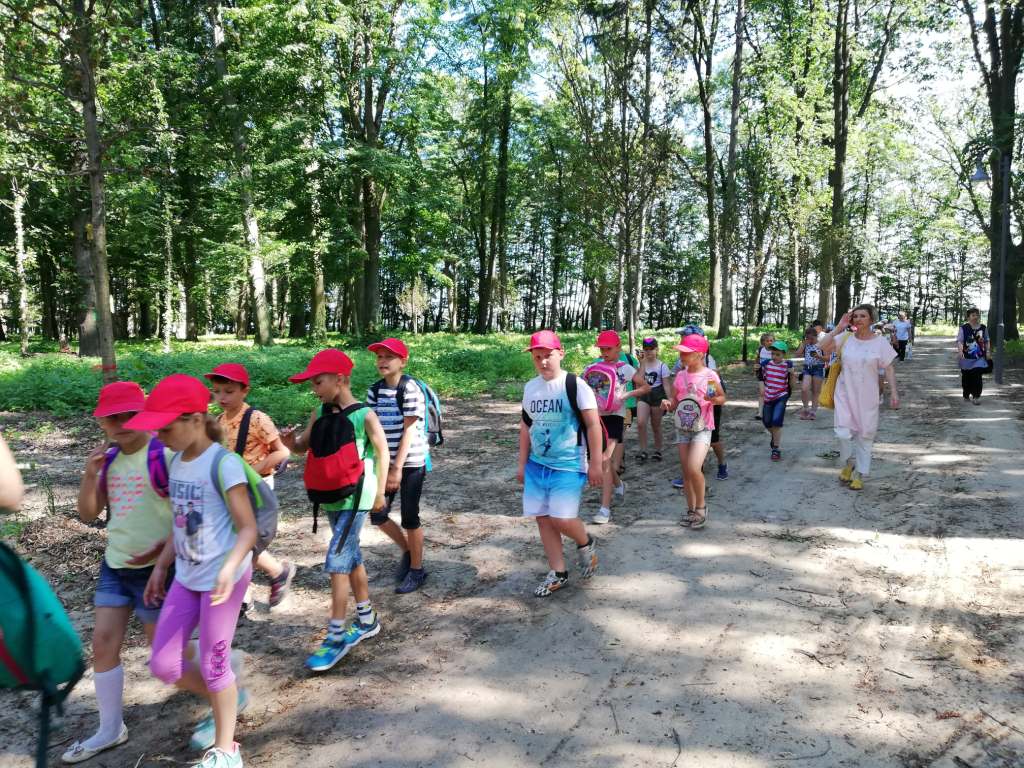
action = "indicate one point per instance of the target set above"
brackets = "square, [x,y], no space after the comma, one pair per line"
[156,463]
[243,431]
[108,459]
[215,470]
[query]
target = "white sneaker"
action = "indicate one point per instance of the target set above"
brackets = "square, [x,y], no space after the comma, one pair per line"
[620,489]
[78,752]
[603,516]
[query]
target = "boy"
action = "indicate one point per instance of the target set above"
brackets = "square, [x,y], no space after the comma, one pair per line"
[329,374]
[553,464]
[610,346]
[262,450]
[407,444]
[779,379]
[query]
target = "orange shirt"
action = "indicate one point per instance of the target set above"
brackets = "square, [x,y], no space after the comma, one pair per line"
[262,434]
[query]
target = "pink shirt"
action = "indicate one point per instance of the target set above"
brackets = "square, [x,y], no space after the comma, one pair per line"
[685,382]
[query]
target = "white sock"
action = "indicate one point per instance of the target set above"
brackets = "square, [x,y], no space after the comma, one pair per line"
[109,698]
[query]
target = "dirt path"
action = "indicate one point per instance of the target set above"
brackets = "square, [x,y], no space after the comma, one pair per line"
[806,625]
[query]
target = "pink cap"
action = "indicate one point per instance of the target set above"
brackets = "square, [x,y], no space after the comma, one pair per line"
[693,343]
[325,361]
[544,340]
[120,397]
[608,339]
[173,396]
[394,346]
[231,372]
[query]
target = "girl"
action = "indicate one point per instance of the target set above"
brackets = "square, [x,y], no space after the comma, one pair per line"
[698,382]
[764,355]
[211,544]
[972,346]
[655,374]
[813,373]
[120,477]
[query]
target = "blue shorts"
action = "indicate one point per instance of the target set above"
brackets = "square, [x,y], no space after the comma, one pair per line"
[817,371]
[552,492]
[124,588]
[774,412]
[346,526]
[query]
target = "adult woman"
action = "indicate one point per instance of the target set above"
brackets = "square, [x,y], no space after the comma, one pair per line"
[862,353]
[973,348]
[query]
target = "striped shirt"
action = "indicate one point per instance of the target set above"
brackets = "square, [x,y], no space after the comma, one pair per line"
[776,379]
[393,421]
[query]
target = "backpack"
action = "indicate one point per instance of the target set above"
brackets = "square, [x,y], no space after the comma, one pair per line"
[243,438]
[431,408]
[334,463]
[581,428]
[39,648]
[689,417]
[603,378]
[155,463]
[261,496]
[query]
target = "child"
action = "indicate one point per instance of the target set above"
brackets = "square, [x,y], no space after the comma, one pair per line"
[779,378]
[764,355]
[655,373]
[262,450]
[329,375]
[407,445]
[138,525]
[553,463]
[211,545]
[696,390]
[610,346]
[813,374]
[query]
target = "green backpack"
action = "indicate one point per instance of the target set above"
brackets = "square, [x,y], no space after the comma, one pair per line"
[39,649]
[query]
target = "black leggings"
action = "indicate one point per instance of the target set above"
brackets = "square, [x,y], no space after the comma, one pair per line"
[901,349]
[972,382]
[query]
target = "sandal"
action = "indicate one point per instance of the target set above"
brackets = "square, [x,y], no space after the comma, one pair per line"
[656,456]
[687,520]
[699,520]
[642,456]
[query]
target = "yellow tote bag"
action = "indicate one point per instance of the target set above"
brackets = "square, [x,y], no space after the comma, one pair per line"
[827,398]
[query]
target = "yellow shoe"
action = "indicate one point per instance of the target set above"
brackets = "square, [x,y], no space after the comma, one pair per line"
[856,484]
[846,475]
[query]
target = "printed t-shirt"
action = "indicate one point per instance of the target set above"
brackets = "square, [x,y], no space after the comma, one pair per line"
[204,532]
[903,329]
[655,373]
[139,518]
[975,343]
[262,434]
[776,379]
[393,421]
[554,431]
[365,448]
[685,382]
[810,355]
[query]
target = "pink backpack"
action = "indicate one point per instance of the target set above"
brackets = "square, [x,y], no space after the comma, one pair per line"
[603,378]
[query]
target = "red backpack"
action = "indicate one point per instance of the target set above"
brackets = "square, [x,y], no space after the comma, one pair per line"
[334,462]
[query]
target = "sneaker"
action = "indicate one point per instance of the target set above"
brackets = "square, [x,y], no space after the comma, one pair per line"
[757,417]
[847,474]
[403,568]
[327,655]
[856,483]
[205,733]
[218,758]
[723,472]
[620,489]
[776,454]
[602,517]
[804,414]
[280,586]
[678,484]
[552,583]
[812,415]
[413,580]
[79,753]
[587,557]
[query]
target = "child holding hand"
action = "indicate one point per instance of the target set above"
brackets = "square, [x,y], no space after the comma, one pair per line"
[813,373]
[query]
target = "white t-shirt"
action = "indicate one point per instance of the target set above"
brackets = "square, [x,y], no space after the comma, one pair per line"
[554,431]
[655,373]
[903,329]
[204,532]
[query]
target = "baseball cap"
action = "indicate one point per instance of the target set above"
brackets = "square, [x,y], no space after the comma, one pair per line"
[325,361]
[691,329]
[394,346]
[608,339]
[693,343]
[120,397]
[650,343]
[230,371]
[780,345]
[544,340]
[173,396]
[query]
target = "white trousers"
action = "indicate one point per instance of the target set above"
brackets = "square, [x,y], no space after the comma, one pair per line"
[856,447]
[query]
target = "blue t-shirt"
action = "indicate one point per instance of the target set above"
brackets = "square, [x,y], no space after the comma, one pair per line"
[554,431]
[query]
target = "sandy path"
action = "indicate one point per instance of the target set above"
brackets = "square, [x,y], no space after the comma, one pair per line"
[806,625]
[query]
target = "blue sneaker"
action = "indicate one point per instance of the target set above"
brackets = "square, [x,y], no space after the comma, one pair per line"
[723,472]
[413,580]
[327,655]
[678,483]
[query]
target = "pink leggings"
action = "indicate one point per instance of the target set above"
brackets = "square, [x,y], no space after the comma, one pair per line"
[184,610]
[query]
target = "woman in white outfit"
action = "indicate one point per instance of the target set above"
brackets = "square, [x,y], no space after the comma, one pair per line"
[863,354]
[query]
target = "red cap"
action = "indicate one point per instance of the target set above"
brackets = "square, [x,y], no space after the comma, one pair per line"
[394,346]
[173,396]
[120,397]
[693,343]
[608,339]
[325,361]
[231,372]
[544,340]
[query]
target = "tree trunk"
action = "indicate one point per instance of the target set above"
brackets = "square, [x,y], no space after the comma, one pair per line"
[88,333]
[20,259]
[500,214]
[168,306]
[732,219]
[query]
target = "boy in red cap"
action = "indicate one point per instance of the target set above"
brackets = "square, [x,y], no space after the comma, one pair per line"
[253,435]
[407,444]
[329,375]
[610,346]
[556,432]
[127,475]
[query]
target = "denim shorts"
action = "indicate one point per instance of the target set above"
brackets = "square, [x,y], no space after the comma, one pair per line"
[774,412]
[124,588]
[817,371]
[685,438]
[346,558]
